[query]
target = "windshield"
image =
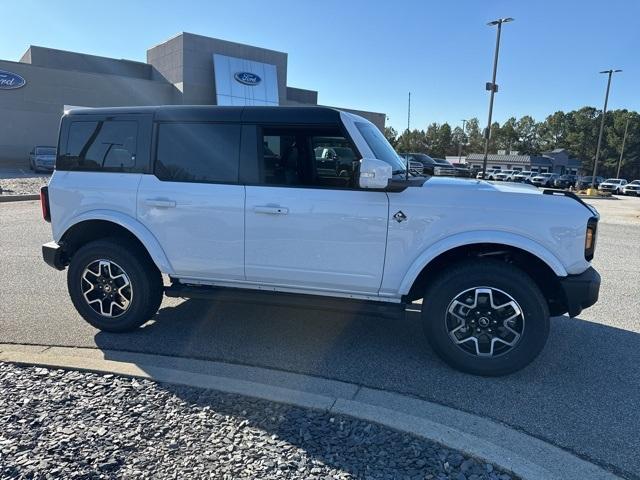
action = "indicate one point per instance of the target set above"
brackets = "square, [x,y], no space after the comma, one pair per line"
[635,182]
[381,147]
[45,150]
[613,180]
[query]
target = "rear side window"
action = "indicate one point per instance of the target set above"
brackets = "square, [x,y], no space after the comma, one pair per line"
[198,152]
[104,145]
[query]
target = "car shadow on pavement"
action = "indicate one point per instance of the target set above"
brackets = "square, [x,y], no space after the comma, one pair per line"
[582,393]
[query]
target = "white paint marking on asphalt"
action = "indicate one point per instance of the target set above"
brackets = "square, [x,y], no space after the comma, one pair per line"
[526,456]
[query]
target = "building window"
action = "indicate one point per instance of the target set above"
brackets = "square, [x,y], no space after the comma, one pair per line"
[108,145]
[198,152]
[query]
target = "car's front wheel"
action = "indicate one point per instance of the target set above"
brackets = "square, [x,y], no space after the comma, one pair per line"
[485,317]
[113,285]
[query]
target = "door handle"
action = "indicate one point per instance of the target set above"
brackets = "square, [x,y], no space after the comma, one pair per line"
[159,202]
[271,210]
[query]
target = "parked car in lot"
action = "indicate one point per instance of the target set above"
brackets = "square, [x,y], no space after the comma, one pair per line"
[544,179]
[613,185]
[430,166]
[523,177]
[490,174]
[565,181]
[585,182]
[631,188]
[505,175]
[232,203]
[462,170]
[42,159]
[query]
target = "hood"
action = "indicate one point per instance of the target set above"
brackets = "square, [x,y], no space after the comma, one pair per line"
[467,184]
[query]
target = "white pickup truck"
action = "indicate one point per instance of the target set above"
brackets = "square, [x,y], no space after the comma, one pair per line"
[230,202]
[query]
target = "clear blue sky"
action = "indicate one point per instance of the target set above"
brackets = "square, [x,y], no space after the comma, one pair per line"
[369,54]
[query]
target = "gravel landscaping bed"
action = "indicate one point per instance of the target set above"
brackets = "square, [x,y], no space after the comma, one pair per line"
[22,186]
[67,424]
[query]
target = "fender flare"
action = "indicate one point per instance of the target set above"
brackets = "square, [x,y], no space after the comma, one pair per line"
[137,229]
[480,236]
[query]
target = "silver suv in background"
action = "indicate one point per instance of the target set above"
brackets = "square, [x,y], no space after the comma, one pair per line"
[430,166]
[523,177]
[544,179]
[42,158]
[613,185]
[632,188]
[491,174]
[505,175]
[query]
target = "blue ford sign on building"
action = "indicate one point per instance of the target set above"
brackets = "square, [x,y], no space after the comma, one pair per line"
[247,78]
[9,80]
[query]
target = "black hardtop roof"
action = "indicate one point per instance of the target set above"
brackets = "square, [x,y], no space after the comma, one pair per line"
[291,114]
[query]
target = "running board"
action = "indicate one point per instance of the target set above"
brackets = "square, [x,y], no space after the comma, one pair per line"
[283,299]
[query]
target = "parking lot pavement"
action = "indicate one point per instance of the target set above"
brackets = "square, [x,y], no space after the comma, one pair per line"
[581,394]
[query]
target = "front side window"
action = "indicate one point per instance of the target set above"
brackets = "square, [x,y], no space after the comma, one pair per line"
[198,152]
[321,157]
[106,145]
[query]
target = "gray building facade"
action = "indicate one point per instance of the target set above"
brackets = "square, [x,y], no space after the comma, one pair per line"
[187,69]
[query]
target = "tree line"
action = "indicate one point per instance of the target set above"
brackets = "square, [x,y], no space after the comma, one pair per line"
[576,131]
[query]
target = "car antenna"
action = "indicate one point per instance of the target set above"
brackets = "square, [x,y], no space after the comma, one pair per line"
[406,158]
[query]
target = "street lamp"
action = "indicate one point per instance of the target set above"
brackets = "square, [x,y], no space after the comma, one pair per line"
[464,122]
[604,113]
[493,88]
[624,140]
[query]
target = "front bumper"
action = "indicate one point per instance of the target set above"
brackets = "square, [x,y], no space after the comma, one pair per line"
[580,291]
[54,256]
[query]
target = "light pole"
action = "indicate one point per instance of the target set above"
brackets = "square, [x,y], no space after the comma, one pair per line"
[493,88]
[464,122]
[624,140]
[604,113]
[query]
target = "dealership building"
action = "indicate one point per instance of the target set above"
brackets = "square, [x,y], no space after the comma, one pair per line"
[187,69]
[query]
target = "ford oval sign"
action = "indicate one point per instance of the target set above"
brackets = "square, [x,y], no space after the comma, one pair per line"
[247,78]
[10,80]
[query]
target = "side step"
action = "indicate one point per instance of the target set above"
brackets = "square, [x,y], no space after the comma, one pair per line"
[284,299]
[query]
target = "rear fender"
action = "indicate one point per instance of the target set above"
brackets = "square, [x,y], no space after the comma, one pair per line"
[141,232]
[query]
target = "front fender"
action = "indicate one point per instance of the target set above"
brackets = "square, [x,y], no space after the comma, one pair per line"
[470,238]
[134,226]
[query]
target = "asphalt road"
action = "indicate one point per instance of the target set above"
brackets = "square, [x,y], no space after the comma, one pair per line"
[582,393]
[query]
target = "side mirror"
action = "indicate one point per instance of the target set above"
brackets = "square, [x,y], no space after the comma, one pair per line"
[374,173]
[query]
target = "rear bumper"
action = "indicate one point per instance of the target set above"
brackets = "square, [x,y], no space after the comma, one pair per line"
[581,291]
[53,255]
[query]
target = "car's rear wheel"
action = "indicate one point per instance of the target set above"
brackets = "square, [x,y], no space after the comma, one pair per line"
[485,317]
[113,285]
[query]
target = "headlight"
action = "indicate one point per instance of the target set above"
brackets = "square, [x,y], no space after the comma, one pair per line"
[437,170]
[590,238]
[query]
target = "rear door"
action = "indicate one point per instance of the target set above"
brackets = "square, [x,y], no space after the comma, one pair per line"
[308,225]
[193,203]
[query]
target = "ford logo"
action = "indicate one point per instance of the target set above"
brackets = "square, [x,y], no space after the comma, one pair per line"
[247,78]
[10,80]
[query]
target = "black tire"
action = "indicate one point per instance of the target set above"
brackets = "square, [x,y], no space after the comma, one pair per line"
[146,284]
[506,279]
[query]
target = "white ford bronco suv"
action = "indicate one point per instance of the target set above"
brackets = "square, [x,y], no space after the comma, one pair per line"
[232,202]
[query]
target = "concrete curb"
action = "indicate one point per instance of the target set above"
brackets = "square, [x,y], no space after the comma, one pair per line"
[18,198]
[525,456]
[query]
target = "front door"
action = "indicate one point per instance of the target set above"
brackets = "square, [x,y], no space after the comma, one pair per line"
[308,226]
[193,203]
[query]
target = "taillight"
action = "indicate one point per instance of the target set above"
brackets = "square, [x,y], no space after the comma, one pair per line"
[44,203]
[590,238]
